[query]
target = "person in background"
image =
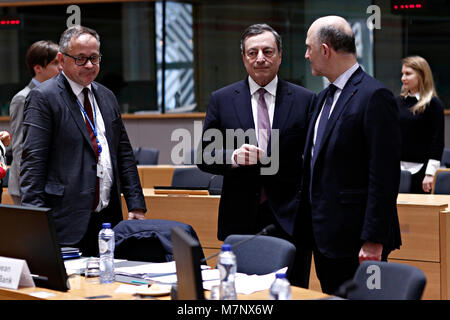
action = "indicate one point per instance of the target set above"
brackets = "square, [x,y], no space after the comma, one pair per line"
[42,64]
[5,140]
[77,158]
[422,124]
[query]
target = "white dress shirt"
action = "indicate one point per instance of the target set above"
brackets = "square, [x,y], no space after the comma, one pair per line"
[104,159]
[269,97]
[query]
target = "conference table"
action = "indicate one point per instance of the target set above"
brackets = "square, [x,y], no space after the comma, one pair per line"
[424,224]
[82,289]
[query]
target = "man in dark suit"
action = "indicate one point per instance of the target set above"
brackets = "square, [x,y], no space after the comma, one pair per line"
[351,160]
[77,158]
[265,123]
[43,64]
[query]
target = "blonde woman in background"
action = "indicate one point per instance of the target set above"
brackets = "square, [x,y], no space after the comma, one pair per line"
[422,123]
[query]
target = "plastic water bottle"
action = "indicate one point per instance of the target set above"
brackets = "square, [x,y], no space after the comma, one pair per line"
[106,244]
[226,263]
[280,288]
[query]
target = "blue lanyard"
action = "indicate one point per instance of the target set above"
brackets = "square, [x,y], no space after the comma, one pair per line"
[89,121]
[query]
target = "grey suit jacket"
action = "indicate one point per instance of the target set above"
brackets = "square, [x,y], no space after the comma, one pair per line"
[58,168]
[16,120]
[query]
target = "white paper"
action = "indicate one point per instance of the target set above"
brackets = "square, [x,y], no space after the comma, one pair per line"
[42,294]
[163,267]
[127,288]
[207,275]
[247,284]
[75,266]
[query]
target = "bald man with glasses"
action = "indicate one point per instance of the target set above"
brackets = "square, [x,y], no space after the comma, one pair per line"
[77,158]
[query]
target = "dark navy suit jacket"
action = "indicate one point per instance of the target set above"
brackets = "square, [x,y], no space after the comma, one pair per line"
[230,108]
[352,195]
[58,167]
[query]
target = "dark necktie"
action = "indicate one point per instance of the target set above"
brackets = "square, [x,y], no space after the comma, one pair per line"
[88,109]
[323,121]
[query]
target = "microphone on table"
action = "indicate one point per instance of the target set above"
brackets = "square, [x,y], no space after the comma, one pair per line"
[265,231]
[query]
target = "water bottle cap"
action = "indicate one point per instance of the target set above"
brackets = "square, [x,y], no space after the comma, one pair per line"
[280,275]
[106,225]
[226,247]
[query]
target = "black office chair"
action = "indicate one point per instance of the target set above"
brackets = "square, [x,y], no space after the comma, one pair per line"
[405,182]
[378,280]
[191,177]
[215,185]
[445,161]
[146,156]
[262,255]
[147,240]
[442,183]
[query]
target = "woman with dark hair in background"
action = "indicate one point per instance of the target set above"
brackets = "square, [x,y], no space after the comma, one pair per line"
[422,123]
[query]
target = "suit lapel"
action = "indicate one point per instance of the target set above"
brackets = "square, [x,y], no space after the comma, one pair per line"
[243,105]
[283,105]
[70,101]
[347,93]
[312,124]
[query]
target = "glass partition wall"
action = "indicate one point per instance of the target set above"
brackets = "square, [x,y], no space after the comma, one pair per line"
[168,56]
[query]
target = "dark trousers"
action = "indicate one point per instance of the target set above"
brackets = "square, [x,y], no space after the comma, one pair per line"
[88,245]
[299,272]
[416,180]
[333,272]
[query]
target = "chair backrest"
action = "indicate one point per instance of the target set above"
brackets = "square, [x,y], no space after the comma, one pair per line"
[191,177]
[263,254]
[441,182]
[405,182]
[215,185]
[146,156]
[147,240]
[378,280]
[445,161]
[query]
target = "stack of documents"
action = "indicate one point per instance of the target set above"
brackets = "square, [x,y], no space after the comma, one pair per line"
[165,273]
[70,253]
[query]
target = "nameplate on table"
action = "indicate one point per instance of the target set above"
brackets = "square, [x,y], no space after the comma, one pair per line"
[14,272]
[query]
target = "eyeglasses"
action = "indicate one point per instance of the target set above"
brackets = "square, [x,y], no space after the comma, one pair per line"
[267,52]
[81,61]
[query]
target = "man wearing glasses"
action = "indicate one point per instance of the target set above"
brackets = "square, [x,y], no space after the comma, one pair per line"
[77,158]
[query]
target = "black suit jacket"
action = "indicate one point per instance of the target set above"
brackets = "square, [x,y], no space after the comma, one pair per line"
[58,168]
[355,179]
[230,108]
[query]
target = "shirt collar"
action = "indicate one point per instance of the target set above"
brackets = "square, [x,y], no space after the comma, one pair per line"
[415,95]
[341,81]
[271,87]
[36,82]
[76,88]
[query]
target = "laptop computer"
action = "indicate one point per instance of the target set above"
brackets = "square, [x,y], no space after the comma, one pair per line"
[187,254]
[28,233]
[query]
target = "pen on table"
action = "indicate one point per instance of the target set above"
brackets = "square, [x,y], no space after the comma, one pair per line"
[140,282]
